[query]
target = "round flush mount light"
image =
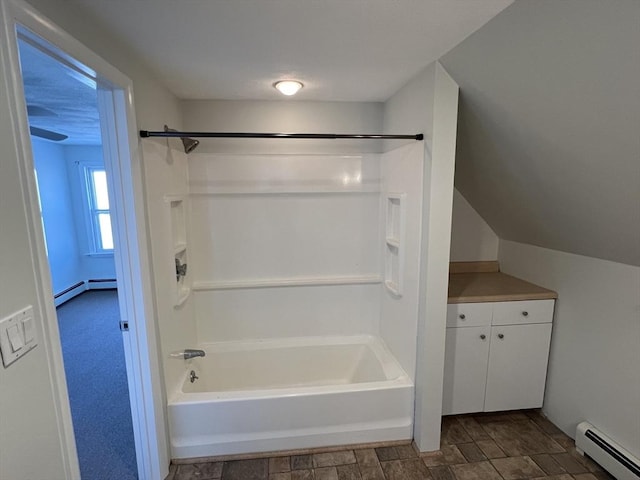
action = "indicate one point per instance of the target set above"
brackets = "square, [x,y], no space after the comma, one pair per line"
[288,87]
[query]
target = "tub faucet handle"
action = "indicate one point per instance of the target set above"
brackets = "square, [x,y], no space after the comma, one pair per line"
[192,353]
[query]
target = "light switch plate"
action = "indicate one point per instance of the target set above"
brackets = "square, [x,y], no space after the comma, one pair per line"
[22,326]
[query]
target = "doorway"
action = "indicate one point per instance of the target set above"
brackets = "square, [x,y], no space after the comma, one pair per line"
[131,254]
[73,187]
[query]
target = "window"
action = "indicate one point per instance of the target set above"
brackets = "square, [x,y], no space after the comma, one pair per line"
[101,236]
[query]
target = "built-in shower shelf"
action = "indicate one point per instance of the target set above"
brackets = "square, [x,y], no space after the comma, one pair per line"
[287,282]
[177,251]
[394,239]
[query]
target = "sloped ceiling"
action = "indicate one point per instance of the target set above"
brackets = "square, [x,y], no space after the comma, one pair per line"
[549,126]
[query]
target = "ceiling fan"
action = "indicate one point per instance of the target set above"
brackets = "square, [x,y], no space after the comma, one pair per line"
[38,111]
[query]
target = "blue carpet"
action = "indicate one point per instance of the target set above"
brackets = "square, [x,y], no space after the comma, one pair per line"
[97,383]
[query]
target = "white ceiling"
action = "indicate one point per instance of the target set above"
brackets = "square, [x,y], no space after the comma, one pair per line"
[342,50]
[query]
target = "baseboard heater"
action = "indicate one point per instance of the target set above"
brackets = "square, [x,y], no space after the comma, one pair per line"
[607,453]
[67,290]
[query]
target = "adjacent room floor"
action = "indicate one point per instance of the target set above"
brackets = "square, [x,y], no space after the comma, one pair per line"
[97,383]
[509,446]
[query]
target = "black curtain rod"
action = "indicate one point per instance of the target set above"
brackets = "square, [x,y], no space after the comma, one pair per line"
[330,136]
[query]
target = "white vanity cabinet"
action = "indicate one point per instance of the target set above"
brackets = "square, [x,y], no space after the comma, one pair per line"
[496,355]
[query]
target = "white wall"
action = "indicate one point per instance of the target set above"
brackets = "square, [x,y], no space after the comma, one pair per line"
[28,386]
[287,116]
[402,172]
[265,210]
[472,239]
[58,215]
[166,174]
[428,104]
[61,183]
[28,410]
[594,365]
[94,267]
[286,218]
[551,89]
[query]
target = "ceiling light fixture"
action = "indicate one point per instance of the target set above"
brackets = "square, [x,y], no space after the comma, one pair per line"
[288,87]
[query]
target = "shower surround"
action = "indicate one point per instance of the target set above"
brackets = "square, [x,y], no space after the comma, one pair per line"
[306,346]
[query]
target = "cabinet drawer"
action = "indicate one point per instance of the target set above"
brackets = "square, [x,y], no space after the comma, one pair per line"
[469,314]
[522,312]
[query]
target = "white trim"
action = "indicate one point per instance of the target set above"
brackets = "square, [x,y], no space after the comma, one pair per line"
[131,257]
[88,194]
[57,301]
[434,263]
[9,12]
[287,282]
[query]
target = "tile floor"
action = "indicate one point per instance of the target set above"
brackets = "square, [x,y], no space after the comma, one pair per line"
[504,446]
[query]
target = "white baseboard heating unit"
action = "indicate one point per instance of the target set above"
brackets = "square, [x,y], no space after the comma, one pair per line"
[607,453]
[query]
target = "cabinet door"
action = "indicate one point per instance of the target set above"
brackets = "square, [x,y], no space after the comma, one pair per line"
[465,369]
[517,366]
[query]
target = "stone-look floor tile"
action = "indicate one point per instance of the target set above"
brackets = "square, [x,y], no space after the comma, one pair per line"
[387,453]
[406,451]
[545,425]
[280,476]
[279,464]
[563,440]
[475,471]
[473,428]
[197,471]
[301,462]
[585,476]
[343,457]
[326,473]
[302,475]
[496,417]
[366,457]
[257,469]
[447,455]
[518,416]
[570,464]
[585,460]
[441,473]
[521,438]
[471,452]
[409,469]
[490,449]
[348,472]
[516,468]
[453,432]
[173,468]
[372,473]
[548,464]
[564,476]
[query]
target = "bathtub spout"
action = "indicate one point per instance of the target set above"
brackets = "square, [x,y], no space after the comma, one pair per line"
[190,353]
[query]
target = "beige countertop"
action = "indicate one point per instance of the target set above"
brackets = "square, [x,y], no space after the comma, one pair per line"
[475,287]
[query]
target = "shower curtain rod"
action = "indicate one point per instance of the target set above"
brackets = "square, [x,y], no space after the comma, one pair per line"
[317,136]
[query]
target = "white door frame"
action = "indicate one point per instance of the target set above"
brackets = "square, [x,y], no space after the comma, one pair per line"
[132,259]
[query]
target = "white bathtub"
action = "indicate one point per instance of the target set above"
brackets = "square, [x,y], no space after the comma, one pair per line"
[287,394]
